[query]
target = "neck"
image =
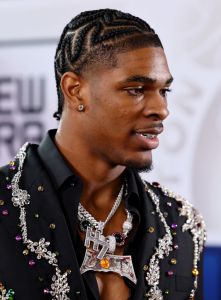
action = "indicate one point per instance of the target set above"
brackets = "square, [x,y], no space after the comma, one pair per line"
[102,182]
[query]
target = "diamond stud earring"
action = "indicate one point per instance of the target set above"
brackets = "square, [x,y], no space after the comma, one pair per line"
[81,107]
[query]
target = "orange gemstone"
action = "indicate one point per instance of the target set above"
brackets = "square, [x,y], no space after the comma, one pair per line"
[105,263]
[195,272]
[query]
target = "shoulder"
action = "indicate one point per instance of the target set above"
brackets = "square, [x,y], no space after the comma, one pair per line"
[5,178]
[7,172]
[193,220]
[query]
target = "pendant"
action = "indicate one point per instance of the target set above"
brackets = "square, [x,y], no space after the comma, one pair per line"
[110,263]
[101,244]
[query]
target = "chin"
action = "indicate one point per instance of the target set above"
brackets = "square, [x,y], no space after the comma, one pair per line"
[140,165]
[140,161]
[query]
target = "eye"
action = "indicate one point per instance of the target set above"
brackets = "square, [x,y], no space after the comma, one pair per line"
[135,91]
[165,91]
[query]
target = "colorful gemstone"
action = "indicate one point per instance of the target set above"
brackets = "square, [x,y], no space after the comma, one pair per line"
[31,262]
[8,186]
[151,229]
[84,224]
[105,263]
[12,168]
[18,237]
[2,202]
[25,252]
[52,226]
[175,246]
[40,188]
[167,292]
[195,272]
[46,291]
[174,233]
[174,226]
[68,271]
[145,267]
[12,163]
[173,261]
[5,212]
[11,292]
[120,238]
[170,273]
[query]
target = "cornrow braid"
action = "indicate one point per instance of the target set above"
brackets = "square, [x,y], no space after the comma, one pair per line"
[98,35]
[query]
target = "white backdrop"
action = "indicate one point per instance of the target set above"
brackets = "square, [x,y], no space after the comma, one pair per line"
[188,160]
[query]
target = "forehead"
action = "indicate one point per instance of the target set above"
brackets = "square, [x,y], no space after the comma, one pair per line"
[148,61]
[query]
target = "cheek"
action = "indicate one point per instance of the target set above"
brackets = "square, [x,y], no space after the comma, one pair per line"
[114,113]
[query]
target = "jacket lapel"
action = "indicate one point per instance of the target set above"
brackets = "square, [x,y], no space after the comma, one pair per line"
[45,219]
[150,230]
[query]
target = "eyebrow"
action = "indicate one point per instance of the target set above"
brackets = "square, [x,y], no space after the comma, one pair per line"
[146,80]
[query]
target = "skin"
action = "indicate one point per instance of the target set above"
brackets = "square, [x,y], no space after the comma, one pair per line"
[100,142]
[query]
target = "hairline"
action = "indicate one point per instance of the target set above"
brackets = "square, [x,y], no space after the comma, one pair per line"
[113,63]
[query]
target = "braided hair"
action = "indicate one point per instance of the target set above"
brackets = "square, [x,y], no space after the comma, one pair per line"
[97,36]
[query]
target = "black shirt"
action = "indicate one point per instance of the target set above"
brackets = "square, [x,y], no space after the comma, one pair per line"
[69,188]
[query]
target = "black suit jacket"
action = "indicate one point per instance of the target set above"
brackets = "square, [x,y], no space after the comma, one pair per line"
[30,278]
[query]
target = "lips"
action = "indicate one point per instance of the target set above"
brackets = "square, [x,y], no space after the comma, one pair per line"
[148,137]
[150,131]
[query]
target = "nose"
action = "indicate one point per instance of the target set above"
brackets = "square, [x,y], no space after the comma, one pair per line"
[156,107]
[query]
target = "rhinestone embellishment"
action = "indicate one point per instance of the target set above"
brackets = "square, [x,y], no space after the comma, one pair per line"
[195,224]
[21,198]
[162,250]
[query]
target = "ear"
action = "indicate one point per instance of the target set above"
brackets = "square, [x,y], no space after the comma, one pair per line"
[71,85]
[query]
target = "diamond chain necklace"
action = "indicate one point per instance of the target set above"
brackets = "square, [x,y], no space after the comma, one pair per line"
[84,215]
[86,219]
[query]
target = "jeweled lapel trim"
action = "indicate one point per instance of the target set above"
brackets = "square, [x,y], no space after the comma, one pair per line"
[6,294]
[194,223]
[161,251]
[21,198]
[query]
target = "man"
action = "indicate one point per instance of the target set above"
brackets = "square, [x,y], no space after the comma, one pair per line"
[77,221]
